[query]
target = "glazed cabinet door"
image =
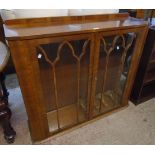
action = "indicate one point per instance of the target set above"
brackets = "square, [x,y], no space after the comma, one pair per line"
[64,69]
[114,56]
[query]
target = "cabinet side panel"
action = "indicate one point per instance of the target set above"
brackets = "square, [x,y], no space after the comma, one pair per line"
[29,81]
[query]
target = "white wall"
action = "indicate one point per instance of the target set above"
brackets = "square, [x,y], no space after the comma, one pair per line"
[33,13]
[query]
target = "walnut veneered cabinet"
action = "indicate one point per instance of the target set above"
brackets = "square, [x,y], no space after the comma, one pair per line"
[73,69]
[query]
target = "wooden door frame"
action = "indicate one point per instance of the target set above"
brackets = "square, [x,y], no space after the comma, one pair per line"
[140,39]
[31,84]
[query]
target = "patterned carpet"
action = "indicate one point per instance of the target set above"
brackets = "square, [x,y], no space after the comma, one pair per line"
[133,125]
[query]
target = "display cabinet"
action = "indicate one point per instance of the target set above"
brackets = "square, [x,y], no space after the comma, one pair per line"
[74,69]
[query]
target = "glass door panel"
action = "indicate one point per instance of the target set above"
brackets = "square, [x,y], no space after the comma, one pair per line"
[64,72]
[114,59]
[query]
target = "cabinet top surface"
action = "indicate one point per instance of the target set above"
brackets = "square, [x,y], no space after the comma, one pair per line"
[13,32]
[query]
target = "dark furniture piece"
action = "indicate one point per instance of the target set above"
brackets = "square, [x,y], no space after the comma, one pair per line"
[145,13]
[5,112]
[72,69]
[144,84]
[132,12]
